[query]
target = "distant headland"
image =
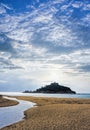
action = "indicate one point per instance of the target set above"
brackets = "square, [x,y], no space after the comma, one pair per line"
[53,88]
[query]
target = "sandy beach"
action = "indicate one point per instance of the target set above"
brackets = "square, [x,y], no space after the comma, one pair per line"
[55,114]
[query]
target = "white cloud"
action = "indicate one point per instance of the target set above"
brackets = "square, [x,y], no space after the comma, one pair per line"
[2,10]
[60,35]
[50,30]
[6,6]
[43,19]
[86,6]
[3,81]
[48,42]
[57,1]
[81,56]
[86,19]
[77,4]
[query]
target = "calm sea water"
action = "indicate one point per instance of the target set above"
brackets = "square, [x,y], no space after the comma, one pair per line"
[47,95]
[13,114]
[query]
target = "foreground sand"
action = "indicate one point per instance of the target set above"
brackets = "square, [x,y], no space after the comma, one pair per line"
[6,102]
[55,114]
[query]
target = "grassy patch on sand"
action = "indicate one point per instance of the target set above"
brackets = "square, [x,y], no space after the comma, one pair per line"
[55,114]
[6,102]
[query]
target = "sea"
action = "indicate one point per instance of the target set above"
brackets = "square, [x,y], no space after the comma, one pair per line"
[78,95]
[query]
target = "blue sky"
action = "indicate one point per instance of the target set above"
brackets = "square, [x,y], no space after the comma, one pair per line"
[42,41]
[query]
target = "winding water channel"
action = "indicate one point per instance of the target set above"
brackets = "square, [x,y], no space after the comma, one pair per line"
[13,114]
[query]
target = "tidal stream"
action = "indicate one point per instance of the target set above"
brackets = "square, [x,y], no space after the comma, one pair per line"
[13,114]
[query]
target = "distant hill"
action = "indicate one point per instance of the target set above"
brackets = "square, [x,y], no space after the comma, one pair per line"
[53,88]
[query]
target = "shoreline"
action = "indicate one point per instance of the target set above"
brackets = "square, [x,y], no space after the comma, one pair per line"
[4,102]
[47,109]
[84,96]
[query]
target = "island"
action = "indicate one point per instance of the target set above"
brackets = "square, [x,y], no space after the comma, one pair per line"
[53,88]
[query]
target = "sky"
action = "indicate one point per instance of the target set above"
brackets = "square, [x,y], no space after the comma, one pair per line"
[44,41]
